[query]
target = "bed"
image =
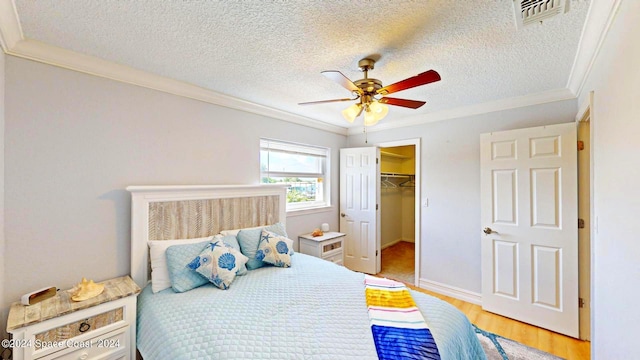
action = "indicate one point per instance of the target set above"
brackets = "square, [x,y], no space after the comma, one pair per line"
[313,309]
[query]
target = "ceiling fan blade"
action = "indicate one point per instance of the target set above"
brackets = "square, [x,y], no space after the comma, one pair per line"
[420,79]
[338,77]
[413,104]
[325,101]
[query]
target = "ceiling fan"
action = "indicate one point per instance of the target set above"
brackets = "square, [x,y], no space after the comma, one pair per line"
[372,95]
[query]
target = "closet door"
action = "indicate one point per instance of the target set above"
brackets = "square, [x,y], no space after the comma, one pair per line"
[359,214]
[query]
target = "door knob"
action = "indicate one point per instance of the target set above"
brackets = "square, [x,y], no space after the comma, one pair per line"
[343,214]
[487,231]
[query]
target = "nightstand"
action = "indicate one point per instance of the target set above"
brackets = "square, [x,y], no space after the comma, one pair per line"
[102,327]
[328,246]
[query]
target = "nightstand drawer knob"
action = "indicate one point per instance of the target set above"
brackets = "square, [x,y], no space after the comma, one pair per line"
[84,327]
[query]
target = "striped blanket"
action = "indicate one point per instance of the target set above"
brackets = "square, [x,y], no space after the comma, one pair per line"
[399,330]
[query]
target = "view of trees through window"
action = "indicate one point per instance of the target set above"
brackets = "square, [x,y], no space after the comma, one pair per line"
[301,167]
[299,190]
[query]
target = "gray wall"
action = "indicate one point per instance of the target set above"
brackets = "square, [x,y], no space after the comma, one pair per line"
[451,229]
[75,141]
[615,125]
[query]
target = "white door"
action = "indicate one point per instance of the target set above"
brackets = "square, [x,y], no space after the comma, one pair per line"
[359,215]
[530,236]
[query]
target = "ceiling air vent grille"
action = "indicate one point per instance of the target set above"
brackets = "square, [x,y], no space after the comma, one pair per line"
[533,11]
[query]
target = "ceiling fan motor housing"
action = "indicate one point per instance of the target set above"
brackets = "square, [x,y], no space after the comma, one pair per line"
[368,86]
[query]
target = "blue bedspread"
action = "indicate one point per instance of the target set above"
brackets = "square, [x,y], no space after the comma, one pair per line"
[313,310]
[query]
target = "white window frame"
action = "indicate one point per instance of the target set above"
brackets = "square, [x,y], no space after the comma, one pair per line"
[304,149]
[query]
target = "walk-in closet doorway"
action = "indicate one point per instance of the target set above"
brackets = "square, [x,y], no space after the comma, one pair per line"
[400,210]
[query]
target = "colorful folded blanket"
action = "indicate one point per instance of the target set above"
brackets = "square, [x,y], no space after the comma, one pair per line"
[399,330]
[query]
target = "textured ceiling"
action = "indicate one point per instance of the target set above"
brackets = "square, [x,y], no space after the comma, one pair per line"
[272,52]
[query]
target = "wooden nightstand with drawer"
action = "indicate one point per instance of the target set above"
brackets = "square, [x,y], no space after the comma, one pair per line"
[328,246]
[103,327]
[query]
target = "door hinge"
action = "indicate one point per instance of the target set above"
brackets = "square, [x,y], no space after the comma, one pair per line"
[580,223]
[580,302]
[376,206]
[376,252]
[376,160]
[580,145]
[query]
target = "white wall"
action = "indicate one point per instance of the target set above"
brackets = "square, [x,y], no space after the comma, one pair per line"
[3,313]
[397,212]
[390,216]
[615,80]
[75,141]
[451,229]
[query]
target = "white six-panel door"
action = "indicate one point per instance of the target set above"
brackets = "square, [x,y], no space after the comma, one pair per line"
[529,215]
[359,217]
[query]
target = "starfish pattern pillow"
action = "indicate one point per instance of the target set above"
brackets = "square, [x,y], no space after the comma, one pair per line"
[218,263]
[275,249]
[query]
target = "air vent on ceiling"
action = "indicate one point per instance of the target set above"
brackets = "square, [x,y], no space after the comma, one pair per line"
[535,11]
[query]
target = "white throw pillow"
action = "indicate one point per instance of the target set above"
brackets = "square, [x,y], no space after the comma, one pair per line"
[160,279]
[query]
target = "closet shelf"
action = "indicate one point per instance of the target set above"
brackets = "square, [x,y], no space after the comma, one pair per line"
[397,175]
[394,155]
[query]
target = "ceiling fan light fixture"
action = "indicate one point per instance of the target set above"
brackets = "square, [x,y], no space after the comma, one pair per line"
[379,109]
[374,113]
[370,119]
[352,112]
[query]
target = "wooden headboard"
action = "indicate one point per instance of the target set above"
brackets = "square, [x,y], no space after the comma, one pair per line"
[185,212]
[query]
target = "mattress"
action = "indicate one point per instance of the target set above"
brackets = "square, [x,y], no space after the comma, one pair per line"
[313,310]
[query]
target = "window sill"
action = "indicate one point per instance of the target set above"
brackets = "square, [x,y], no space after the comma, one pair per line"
[308,211]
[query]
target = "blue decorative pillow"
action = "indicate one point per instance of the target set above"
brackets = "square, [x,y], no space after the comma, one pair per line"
[178,256]
[275,249]
[277,228]
[218,263]
[249,240]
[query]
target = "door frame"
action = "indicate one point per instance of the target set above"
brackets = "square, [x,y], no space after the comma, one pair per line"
[418,218]
[584,117]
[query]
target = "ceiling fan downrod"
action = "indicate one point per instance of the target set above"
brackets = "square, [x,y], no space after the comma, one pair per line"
[367,85]
[365,65]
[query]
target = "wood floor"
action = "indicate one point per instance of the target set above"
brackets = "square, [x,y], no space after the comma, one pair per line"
[398,262]
[402,258]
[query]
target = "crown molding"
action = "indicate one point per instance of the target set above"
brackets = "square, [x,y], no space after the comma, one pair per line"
[600,17]
[14,43]
[476,109]
[10,30]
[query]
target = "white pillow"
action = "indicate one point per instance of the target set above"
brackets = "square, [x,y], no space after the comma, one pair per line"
[160,279]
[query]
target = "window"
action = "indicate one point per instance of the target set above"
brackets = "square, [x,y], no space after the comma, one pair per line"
[303,167]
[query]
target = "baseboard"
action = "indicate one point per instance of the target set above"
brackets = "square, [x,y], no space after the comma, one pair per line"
[390,244]
[452,291]
[395,242]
